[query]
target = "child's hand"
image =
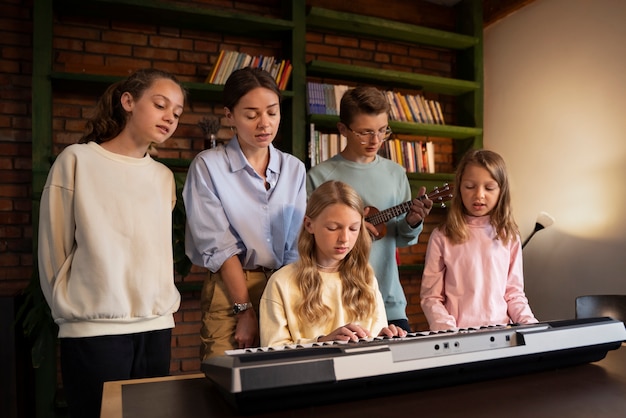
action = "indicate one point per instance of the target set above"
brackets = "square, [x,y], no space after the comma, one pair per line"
[349,332]
[420,208]
[392,331]
[372,229]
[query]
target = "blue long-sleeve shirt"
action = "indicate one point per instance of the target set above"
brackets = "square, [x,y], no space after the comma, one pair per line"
[229,211]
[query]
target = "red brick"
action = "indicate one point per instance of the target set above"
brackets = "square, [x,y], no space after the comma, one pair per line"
[341,41]
[162,54]
[320,49]
[171,43]
[75,32]
[356,54]
[107,48]
[71,44]
[13,108]
[125,38]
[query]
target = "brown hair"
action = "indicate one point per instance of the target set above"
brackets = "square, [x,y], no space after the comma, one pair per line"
[110,117]
[362,100]
[242,81]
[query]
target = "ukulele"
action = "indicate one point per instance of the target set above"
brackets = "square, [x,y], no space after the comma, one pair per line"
[380,218]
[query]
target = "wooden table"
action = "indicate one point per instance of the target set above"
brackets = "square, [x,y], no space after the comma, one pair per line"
[588,390]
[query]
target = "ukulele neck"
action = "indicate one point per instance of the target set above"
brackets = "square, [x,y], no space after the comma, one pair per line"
[387,214]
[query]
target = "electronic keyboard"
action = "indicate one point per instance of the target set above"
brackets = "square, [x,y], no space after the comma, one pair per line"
[265,378]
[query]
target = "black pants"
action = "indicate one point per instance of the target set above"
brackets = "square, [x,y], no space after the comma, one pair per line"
[86,363]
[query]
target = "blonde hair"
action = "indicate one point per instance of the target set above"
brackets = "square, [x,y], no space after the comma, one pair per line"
[356,275]
[501,217]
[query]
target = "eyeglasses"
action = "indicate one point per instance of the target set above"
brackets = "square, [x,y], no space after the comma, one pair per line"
[383,135]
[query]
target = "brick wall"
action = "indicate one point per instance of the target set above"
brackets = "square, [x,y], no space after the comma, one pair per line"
[106,46]
[15,146]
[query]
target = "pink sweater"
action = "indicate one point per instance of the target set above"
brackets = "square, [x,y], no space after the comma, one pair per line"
[479,282]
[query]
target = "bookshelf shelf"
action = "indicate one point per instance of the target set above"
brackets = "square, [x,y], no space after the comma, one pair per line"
[428,180]
[48,77]
[191,16]
[424,129]
[197,91]
[466,88]
[319,18]
[426,82]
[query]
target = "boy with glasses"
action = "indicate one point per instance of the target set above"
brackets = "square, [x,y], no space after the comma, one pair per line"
[381,183]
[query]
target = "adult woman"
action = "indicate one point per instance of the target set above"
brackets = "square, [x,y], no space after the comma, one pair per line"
[245,203]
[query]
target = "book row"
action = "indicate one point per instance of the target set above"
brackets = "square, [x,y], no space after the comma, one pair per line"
[324,99]
[229,61]
[414,156]
[414,108]
[324,145]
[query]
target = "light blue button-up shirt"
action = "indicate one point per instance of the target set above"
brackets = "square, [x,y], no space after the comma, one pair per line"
[230,212]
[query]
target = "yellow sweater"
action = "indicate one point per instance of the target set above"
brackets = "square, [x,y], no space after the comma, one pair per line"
[278,322]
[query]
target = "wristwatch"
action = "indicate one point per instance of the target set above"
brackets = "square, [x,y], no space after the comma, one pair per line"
[240,307]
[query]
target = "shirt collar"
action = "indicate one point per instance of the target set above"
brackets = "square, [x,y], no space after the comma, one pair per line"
[238,161]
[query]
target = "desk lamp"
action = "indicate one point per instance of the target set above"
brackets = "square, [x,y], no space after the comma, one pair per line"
[544,220]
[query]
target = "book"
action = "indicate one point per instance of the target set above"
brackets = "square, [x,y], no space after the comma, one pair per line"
[433,111]
[430,152]
[279,73]
[312,145]
[440,113]
[310,94]
[401,114]
[333,144]
[392,106]
[247,62]
[329,99]
[238,63]
[415,109]
[339,91]
[414,112]
[426,107]
[267,64]
[285,77]
[211,77]
[225,68]
[419,160]
[398,157]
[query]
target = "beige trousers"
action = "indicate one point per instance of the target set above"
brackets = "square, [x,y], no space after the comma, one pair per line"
[218,321]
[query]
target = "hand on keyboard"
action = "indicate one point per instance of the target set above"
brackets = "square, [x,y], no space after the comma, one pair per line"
[349,332]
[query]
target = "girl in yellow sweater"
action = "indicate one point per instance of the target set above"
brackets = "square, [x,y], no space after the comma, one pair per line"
[330,293]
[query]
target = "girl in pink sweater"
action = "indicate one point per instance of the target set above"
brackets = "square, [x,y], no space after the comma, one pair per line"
[473,272]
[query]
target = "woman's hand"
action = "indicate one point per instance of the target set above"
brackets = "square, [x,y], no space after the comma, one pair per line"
[349,332]
[247,330]
[392,331]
